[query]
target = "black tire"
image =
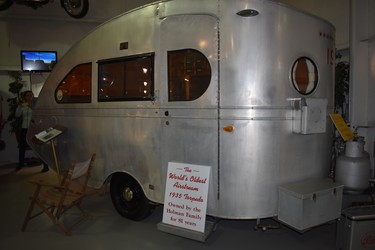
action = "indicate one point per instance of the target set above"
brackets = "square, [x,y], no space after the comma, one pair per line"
[128,197]
[75,8]
[5,4]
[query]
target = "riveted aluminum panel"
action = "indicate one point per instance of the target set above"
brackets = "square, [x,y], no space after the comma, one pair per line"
[251,60]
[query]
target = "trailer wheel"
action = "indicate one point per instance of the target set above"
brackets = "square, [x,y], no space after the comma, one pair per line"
[128,197]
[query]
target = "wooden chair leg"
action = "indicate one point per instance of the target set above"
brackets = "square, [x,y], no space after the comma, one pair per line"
[62,228]
[28,215]
[55,220]
[30,209]
[85,214]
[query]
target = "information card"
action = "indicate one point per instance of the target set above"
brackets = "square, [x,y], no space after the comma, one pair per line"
[341,126]
[185,201]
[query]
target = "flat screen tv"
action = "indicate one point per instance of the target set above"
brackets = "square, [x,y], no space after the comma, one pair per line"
[38,61]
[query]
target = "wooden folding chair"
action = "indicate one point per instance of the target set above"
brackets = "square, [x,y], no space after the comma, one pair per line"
[55,200]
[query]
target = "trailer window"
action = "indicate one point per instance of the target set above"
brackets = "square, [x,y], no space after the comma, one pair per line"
[126,79]
[189,75]
[76,86]
[304,75]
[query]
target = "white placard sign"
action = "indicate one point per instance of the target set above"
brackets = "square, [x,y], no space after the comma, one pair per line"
[185,200]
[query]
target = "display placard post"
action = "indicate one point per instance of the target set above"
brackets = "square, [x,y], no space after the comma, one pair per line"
[49,135]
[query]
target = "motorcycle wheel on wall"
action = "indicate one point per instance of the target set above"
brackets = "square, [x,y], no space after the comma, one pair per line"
[5,4]
[75,8]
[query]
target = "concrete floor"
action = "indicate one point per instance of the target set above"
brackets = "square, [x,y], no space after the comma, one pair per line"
[108,230]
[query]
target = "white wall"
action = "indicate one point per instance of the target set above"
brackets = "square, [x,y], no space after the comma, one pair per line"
[46,28]
[355,29]
[10,153]
[336,12]
[362,72]
[33,34]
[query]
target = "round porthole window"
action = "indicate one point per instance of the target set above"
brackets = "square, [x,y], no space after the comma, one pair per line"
[304,75]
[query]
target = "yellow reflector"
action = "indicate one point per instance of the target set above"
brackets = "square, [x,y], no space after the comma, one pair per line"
[228,128]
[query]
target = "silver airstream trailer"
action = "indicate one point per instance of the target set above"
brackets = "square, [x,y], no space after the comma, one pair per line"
[242,86]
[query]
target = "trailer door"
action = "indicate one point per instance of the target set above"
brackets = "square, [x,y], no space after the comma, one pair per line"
[188,93]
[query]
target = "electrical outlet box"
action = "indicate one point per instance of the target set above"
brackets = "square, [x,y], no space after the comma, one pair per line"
[310,115]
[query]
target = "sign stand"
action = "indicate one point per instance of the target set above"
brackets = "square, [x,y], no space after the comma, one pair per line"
[186,233]
[49,135]
[185,201]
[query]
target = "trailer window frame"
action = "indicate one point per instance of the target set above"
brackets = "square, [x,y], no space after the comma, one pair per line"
[76,86]
[189,76]
[125,78]
[306,80]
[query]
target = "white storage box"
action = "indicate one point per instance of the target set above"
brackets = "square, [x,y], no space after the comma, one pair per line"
[307,204]
[356,229]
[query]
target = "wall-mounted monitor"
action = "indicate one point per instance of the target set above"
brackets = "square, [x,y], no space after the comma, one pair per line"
[38,61]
